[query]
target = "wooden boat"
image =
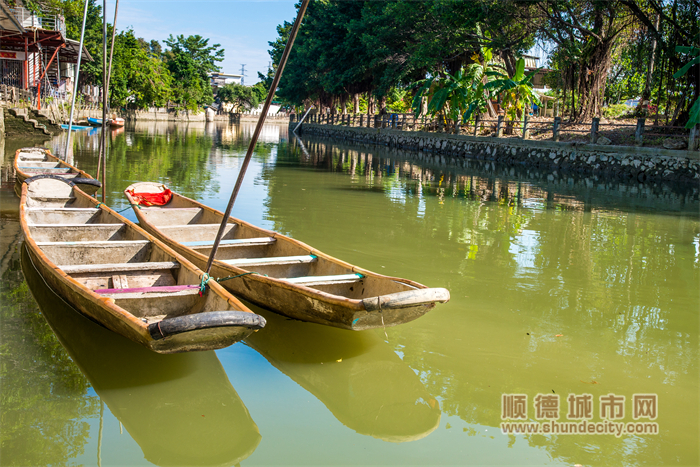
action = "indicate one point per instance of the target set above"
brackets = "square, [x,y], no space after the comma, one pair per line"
[117,122]
[34,161]
[280,273]
[75,127]
[181,409]
[96,121]
[116,274]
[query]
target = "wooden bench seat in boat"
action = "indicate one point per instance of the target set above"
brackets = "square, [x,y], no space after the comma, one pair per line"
[46,169]
[47,164]
[170,290]
[63,215]
[192,232]
[103,251]
[325,280]
[233,242]
[120,267]
[270,261]
[76,232]
[172,215]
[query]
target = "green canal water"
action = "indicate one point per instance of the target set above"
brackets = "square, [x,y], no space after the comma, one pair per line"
[560,285]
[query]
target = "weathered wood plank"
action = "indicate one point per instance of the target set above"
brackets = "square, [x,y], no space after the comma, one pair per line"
[234,242]
[322,280]
[119,267]
[271,261]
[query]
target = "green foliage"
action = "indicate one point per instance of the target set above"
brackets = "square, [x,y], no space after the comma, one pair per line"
[139,79]
[368,47]
[242,97]
[517,92]
[616,111]
[190,61]
[694,115]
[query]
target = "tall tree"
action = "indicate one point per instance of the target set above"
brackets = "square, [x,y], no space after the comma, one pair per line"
[588,31]
[190,61]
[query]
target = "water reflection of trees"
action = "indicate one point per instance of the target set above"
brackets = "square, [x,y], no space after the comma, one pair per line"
[44,398]
[524,260]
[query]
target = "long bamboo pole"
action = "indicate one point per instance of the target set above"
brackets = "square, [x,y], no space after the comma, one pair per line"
[258,128]
[111,47]
[105,91]
[77,75]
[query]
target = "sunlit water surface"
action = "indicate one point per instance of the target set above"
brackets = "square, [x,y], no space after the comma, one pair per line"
[559,286]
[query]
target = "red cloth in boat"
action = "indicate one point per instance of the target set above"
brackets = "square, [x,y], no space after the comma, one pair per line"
[152,199]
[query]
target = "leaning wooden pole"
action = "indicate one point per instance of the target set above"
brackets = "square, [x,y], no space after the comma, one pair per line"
[111,47]
[258,128]
[105,91]
[77,75]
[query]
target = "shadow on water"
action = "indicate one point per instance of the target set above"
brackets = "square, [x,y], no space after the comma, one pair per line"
[356,375]
[181,409]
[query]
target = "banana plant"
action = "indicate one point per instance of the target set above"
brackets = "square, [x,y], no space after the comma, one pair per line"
[694,117]
[460,96]
[517,92]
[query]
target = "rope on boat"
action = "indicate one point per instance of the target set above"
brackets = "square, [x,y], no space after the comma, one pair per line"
[130,206]
[206,278]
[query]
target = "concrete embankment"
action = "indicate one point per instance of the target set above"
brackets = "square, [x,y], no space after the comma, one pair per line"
[620,162]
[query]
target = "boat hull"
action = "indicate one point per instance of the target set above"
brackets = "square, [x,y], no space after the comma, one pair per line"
[193,332]
[305,303]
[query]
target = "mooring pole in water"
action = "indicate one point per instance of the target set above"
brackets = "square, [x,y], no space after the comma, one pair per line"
[258,128]
[103,149]
[302,120]
[77,75]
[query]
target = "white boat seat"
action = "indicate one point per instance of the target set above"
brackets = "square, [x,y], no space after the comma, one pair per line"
[63,169]
[271,261]
[235,242]
[325,280]
[120,267]
[96,243]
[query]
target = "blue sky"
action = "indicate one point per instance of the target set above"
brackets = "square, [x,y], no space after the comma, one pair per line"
[243,28]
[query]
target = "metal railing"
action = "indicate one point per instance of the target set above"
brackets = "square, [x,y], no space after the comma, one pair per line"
[31,20]
[527,128]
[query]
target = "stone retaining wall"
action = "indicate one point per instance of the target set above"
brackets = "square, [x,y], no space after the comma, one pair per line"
[620,162]
[164,115]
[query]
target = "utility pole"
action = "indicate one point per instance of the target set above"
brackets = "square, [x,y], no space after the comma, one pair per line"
[243,75]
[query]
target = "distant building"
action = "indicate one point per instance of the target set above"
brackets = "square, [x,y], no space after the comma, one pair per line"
[35,52]
[222,79]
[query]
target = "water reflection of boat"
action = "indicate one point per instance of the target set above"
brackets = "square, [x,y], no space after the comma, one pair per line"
[181,409]
[357,376]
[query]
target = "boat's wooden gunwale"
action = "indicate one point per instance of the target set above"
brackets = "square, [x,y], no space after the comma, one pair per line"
[90,302]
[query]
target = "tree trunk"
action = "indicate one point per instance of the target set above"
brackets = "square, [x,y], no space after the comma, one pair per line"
[356,103]
[593,76]
[344,107]
[382,105]
[643,106]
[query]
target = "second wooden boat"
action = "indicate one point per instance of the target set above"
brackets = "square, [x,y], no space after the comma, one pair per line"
[35,161]
[119,276]
[277,272]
